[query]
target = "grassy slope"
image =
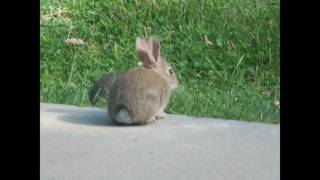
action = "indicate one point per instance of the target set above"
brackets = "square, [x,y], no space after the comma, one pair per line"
[225,52]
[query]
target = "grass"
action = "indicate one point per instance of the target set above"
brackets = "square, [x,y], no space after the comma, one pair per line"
[226,53]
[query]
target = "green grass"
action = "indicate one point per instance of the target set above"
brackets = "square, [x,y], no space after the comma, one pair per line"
[226,53]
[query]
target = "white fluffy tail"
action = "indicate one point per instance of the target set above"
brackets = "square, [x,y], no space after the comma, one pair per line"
[123,116]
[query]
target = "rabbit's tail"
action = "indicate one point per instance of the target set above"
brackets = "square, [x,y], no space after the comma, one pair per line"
[123,116]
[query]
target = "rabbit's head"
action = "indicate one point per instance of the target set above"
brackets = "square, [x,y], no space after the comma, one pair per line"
[149,54]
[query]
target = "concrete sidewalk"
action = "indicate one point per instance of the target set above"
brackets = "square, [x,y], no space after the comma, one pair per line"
[83,144]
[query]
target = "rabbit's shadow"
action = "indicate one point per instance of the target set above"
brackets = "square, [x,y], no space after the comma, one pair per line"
[90,117]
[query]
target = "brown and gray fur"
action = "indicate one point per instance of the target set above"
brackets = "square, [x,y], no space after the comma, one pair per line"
[140,95]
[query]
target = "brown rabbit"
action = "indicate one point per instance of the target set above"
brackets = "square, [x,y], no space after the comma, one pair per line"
[140,95]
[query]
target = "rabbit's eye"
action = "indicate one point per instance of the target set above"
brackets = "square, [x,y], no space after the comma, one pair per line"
[170,71]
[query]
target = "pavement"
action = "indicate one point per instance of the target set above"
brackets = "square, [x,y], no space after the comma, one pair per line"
[81,143]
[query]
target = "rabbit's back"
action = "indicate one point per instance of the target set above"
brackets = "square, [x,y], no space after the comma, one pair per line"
[141,92]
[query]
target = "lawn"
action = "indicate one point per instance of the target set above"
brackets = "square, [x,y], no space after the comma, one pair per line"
[226,53]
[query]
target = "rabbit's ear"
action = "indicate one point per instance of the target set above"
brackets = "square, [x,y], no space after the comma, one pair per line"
[145,52]
[155,48]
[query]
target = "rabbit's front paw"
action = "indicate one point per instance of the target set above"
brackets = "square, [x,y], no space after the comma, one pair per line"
[160,115]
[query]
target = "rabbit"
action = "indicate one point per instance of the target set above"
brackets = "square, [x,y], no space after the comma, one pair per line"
[140,95]
[102,87]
